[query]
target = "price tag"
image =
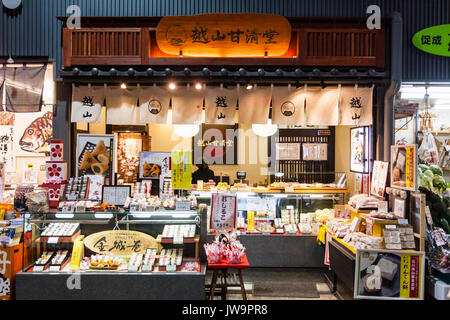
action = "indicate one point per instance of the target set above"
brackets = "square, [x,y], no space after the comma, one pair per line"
[390,227]
[280,230]
[403,221]
[38,268]
[178,240]
[289,189]
[290,207]
[54,268]
[183,206]
[53,240]
[171,268]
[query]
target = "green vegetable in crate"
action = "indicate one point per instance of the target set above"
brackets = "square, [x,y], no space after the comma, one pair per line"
[444,225]
[439,181]
[429,173]
[436,169]
[423,167]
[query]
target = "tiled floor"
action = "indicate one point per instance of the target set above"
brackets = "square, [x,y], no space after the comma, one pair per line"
[254,275]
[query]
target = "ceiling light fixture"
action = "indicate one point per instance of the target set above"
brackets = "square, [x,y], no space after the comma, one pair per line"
[172,86]
[186,130]
[249,86]
[265,130]
[123,85]
[198,86]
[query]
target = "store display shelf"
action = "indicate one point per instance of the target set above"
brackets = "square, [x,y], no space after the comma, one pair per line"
[60,239]
[444,132]
[81,221]
[162,240]
[157,221]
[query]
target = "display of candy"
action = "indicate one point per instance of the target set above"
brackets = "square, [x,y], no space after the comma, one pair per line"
[233,254]
[324,215]
[190,266]
[149,260]
[45,258]
[361,201]
[107,261]
[37,201]
[291,228]
[60,230]
[170,257]
[278,224]
[179,230]
[289,216]
[213,252]
[60,257]
[135,262]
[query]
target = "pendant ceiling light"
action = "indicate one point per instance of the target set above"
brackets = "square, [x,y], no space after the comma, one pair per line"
[186,130]
[265,130]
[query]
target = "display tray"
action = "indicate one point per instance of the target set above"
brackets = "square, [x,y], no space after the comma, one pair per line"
[378,220]
[162,240]
[60,239]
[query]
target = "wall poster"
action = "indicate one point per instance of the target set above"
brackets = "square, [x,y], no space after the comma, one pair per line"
[389,275]
[404,166]
[216,144]
[359,150]
[95,154]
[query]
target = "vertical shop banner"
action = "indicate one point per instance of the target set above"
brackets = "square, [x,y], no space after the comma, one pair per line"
[6,147]
[254,105]
[155,165]
[389,275]
[187,105]
[121,106]
[5,270]
[322,106]
[360,149]
[288,106]
[223,211]
[153,104]
[379,176]
[23,87]
[220,105]
[87,104]
[181,170]
[404,166]
[355,106]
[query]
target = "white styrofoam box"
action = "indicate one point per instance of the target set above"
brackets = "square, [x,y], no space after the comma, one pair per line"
[437,288]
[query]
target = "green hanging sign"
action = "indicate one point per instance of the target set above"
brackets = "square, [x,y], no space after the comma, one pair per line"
[434,40]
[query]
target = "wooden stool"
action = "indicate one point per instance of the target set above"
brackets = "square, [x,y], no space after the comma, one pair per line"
[223,267]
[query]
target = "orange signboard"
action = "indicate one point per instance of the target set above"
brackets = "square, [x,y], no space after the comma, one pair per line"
[224,35]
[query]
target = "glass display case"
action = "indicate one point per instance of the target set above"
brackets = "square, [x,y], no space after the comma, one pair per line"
[122,255]
[278,209]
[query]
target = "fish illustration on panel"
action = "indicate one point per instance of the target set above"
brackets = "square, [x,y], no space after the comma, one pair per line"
[36,137]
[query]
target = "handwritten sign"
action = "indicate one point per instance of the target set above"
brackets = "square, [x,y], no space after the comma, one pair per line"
[120,242]
[224,35]
[116,195]
[434,40]
[223,211]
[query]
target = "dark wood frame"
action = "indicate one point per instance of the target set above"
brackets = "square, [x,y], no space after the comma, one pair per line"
[326,31]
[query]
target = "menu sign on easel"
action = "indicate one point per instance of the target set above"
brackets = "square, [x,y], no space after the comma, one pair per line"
[223,211]
[116,195]
[379,176]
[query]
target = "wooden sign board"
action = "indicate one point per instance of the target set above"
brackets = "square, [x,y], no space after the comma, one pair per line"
[224,35]
[120,242]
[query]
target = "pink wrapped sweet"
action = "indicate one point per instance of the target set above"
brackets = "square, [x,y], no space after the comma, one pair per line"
[213,253]
[234,254]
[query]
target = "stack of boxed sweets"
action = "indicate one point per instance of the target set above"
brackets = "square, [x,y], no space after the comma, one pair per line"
[399,237]
[55,173]
[135,262]
[76,188]
[359,240]
[305,225]
[289,216]
[77,205]
[277,223]
[363,201]
[179,230]
[169,257]
[59,258]
[60,230]
[291,228]
[149,260]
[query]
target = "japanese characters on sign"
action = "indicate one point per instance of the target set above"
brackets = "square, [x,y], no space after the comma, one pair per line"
[434,40]
[120,242]
[223,211]
[224,35]
[389,275]
[181,170]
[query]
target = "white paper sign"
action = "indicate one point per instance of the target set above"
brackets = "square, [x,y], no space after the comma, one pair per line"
[223,211]
[182,205]
[53,240]
[379,176]
[178,240]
